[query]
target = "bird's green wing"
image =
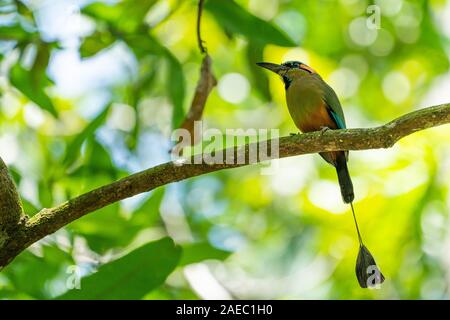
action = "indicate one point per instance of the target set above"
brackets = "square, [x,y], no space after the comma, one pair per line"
[334,106]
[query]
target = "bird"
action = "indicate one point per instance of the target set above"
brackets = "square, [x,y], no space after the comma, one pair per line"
[315,106]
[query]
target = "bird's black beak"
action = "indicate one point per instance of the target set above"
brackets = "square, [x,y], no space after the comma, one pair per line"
[277,68]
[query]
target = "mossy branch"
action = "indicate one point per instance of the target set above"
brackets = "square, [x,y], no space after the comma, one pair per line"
[11,213]
[10,206]
[50,220]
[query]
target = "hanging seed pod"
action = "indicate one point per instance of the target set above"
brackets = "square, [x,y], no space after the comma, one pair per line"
[367,271]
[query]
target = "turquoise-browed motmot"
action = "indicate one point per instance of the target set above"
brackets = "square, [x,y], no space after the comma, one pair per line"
[314,106]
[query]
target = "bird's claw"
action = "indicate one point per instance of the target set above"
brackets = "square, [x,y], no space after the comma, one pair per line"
[323,130]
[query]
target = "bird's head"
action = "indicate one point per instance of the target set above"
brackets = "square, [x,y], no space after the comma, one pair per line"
[289,70]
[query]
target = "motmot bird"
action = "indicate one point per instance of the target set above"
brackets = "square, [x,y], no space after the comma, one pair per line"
[314,106]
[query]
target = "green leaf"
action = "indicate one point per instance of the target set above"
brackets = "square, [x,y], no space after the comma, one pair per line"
[142,86]
[28,207]
[119,233]
[171,293]
[260,79]
[121,230]
[32,83]
[24,11]
[16,32]
[148,212]
[197,252]
[39,68]
[236,19]
[46,193]
[98,160]
[126,16]
[95,43]
[133,275]
[143,45]
[15,174]
[95,166]
[176,89]
[23,81]
[32,274]
[74,147]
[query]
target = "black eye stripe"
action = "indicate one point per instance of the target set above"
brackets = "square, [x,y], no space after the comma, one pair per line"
[292,64]
[298,65]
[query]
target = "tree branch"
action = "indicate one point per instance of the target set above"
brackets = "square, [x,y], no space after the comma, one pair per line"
[48,221]
[201,45]
[11,213]
[10,207]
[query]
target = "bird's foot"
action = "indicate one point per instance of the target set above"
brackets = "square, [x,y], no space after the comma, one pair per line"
[323,130]
[294,134]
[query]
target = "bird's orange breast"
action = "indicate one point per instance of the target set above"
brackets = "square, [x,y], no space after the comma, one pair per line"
[316,119]
[305,102]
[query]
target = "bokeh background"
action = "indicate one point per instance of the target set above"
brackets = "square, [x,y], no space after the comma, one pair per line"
[91,91]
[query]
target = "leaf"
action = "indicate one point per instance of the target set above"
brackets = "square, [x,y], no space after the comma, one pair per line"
[143,45]
[74,147]
[260,79]
[95,43]
[236,19]
[98,160]
[45,193]
[172,293]
[39,68]
[95,166]
[142,86]
[24,11]
[176,89]
[31,274]
[148,212]
[29,208]
[126,16]
[16,32]
[131,276]
[100,239]
[15,174]
[121,229]
[22,80]
[197,252]
[32,83]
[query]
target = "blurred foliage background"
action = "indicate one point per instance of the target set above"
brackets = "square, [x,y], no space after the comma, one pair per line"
[91,90]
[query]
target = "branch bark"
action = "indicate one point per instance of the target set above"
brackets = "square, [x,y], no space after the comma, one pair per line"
[10,207]
[50,220]
[11,213]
